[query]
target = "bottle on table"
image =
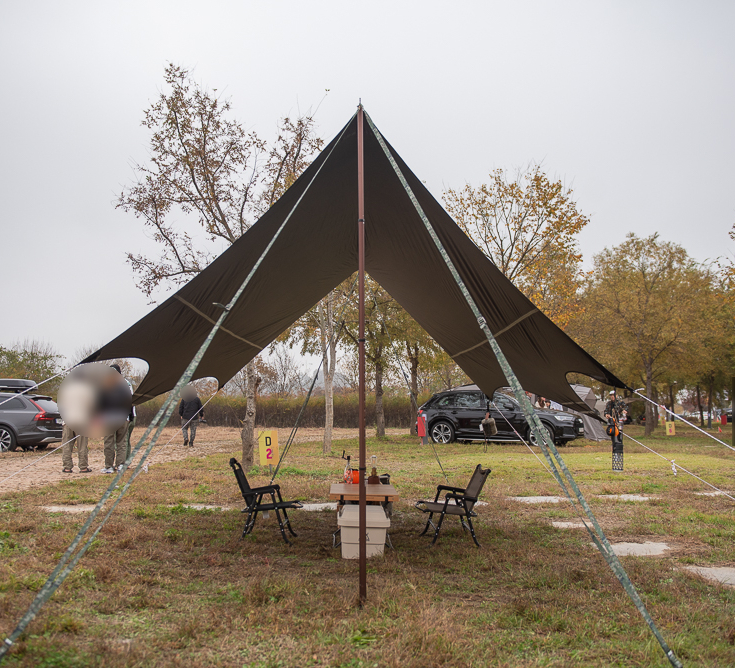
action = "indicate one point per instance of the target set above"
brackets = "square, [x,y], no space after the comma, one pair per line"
[347,476]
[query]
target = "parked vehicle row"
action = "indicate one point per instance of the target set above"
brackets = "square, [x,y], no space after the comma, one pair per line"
[455,415]
[28,421]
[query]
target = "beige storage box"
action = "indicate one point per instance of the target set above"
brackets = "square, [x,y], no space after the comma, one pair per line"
[376,524]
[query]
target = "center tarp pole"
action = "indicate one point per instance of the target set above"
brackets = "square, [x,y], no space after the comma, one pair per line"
[362,510]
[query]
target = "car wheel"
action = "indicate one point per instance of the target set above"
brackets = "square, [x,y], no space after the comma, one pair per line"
[7,440]
[532,438]
[442,432]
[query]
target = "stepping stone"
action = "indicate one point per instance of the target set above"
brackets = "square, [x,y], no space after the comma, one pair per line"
[723,574]
[712,493]
[626,497]
[646,549]
[537,499]
[568,525]
[69,509]
[203,506]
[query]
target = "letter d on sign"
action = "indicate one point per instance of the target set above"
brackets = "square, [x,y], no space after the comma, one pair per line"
[268,447]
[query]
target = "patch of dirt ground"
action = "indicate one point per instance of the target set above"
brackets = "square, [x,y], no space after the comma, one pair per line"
[44,468]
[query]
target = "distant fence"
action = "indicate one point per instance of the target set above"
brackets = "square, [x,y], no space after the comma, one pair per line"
[282,413]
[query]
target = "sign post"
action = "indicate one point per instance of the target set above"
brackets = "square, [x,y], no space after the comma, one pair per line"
[670,429]
[268,448]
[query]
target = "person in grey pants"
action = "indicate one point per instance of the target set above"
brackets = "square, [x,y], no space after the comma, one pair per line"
[117,444]
[70,438]
[191,411]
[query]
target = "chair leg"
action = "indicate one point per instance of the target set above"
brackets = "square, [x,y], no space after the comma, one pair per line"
[438,527]
[288,524]
[428,522]
[280,526]
[472,531]
[462,522]
[249,523]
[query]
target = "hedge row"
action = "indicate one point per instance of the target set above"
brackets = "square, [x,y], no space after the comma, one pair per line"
[282,413]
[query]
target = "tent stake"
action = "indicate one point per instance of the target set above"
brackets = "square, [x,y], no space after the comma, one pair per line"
[362,511]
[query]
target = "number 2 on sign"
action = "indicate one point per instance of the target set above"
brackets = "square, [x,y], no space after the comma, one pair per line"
[268,442]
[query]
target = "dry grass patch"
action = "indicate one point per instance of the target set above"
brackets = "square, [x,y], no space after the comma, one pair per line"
[174,586]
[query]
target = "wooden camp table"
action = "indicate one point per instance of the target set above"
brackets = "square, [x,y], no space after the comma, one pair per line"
[340,491]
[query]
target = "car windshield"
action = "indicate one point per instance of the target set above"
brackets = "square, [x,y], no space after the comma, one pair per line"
[47,405]
[504,401]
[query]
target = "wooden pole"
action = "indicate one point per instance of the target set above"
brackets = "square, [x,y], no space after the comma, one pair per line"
[732,403]
[362,511]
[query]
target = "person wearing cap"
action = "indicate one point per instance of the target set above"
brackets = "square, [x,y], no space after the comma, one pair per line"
[117,444]
[615,413]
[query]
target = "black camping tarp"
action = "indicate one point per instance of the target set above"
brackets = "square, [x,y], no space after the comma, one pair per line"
[318,249]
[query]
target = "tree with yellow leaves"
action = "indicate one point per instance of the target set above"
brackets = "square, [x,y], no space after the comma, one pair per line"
[528,227]
[645,307]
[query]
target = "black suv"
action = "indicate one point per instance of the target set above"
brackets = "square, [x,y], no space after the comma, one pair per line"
[456,415]
[26,420]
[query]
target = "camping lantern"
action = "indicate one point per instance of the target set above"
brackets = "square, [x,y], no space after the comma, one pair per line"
[617,457]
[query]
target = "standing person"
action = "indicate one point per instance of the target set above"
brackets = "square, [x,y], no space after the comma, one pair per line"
[117,444]
[488,427]
[615,413]
[69,438]
[542,403]
[131,423]
[191,411]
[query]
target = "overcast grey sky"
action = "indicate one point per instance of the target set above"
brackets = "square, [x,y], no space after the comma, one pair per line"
[630,103]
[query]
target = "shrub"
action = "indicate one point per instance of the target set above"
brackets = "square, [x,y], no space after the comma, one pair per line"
[278,412]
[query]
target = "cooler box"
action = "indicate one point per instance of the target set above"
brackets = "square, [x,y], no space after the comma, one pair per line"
[376,524]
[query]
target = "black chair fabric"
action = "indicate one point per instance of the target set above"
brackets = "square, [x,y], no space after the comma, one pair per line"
[457,501]
[253,497]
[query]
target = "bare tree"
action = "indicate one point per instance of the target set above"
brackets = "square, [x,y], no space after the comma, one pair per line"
[319,333]
[205,182]
[286,378]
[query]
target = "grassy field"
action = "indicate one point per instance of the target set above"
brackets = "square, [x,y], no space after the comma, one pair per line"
[165,585]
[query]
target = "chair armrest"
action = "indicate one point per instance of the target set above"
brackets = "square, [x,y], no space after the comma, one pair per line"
[449,489]
[266,489]
[446,488]
[462,497]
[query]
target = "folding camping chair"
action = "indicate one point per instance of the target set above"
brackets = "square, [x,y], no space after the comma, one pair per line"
[254,499]
[457,501]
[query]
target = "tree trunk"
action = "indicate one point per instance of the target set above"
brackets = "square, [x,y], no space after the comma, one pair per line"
[671,399]
[248,425]
[710,389]
[651,417]
[329,361]
[328,410]
[699,405]
[379,413]
[413,358]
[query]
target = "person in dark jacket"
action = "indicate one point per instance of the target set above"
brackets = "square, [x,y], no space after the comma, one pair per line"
[615,413]
[191,411]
